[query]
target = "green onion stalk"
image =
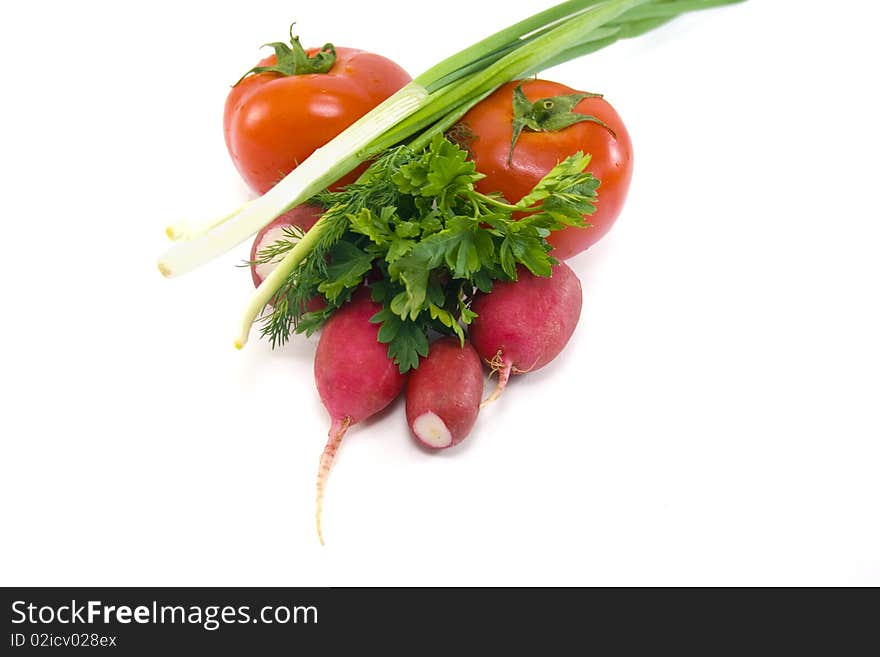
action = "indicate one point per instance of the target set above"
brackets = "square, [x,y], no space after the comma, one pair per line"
[431,103]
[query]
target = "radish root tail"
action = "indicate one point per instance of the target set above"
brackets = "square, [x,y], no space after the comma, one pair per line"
[503,369]
[337,432]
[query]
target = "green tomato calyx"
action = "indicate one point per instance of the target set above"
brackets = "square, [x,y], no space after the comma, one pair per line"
[548,115]
[294,60]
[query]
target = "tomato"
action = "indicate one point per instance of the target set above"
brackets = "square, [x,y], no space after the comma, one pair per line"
[487,131]
[273,121]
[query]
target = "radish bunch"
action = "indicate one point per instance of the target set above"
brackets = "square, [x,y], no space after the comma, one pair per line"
[521,326]
[472,181]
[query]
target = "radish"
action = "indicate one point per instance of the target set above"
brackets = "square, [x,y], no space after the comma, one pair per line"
[443,394]
[354,376]
[302,217]
[522,325]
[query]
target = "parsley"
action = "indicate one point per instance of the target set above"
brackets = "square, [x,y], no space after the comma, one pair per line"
[429,240]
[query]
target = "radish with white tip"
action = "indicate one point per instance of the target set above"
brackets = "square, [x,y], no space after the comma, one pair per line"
[302,217]
[443,394]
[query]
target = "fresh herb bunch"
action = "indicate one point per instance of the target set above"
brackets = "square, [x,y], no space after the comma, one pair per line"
[417,228]
[431,104]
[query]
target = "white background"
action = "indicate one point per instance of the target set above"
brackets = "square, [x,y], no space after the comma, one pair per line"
[713,421]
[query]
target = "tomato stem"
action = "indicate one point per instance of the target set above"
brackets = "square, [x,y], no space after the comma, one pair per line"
[563,34]
[294,60]
[548,115]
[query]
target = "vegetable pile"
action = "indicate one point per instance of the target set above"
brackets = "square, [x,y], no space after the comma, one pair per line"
[421,224]
[415,222]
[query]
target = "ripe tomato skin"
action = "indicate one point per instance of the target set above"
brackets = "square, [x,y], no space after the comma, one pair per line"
[490,124]
[272,122]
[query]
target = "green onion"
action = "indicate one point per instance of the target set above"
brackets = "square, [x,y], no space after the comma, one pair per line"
[431,103]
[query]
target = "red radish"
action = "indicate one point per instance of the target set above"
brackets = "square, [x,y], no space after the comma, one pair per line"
[303,217]
[354,375]
[522,325]
[443,394]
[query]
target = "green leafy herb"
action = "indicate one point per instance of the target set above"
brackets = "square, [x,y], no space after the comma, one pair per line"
[406,340]
[290,303]
[348,265]
[416,220]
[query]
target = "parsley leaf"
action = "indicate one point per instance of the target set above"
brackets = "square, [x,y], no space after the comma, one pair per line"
[442,172]
[347,269]
[406,340]
[432,240]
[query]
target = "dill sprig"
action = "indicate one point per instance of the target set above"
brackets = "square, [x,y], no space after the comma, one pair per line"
[282,315]
[288,312]
[272,253]
[415,225]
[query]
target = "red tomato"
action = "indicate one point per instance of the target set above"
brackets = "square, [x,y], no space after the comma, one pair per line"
[489,130]
[272,121]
